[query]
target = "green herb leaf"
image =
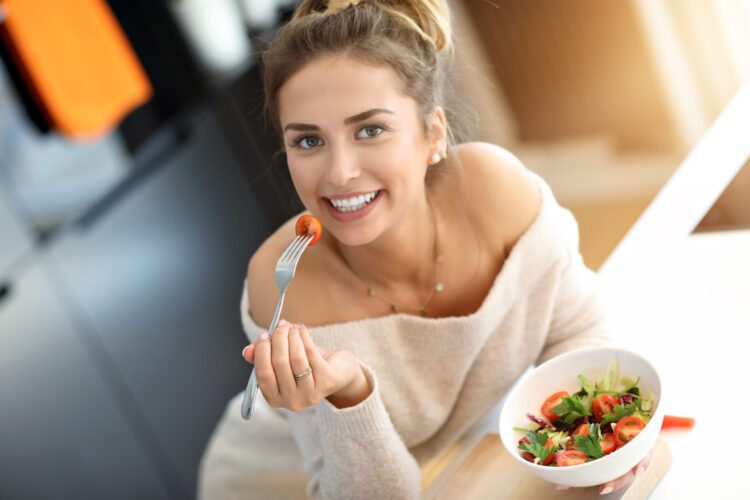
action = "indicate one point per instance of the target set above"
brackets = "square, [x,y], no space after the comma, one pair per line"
[620,412]
[536,447]
[590,444]
[570,409]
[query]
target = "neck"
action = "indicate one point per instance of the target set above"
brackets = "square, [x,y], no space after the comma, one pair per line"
[402,257]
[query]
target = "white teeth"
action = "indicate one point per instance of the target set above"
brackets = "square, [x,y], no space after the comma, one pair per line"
[355,203]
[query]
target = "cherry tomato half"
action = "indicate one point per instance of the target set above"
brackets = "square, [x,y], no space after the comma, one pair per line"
[602,405]
[567,458]
[608,444]
[307,224]
[628,428]
[550,403]
[528,456]
[582,430]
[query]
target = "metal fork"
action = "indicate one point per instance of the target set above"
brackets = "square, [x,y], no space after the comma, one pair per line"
[284,273]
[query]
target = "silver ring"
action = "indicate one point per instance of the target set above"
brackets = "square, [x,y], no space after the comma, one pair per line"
[303,375]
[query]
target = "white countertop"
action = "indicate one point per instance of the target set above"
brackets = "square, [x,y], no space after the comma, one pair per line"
[683,301]
[687,309]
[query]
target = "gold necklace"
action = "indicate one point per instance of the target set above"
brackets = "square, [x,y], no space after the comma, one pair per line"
[437,286]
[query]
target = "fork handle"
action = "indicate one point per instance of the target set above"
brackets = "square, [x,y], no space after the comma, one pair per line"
[251,391]
[277,312]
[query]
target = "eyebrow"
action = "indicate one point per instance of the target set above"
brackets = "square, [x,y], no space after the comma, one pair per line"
[306,127]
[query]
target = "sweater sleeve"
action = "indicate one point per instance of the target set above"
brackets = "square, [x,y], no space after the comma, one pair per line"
[577,315]
[355,452]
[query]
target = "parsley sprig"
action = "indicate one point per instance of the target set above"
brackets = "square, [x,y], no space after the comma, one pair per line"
[571,409]
[590,444]
[619,412]
[536,447]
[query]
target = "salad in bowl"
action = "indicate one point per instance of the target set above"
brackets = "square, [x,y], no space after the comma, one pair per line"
[585,417]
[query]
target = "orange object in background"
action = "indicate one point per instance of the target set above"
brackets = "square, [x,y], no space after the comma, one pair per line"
[77,62]
[672,422]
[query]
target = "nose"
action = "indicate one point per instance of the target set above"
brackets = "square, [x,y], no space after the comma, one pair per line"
[343,166]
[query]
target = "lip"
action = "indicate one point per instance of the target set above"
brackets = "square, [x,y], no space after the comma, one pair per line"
[358,214]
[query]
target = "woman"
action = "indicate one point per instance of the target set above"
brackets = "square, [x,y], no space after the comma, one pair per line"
[444,270]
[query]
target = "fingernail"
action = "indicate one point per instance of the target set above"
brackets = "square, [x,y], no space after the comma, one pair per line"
[244,351]
[282,322]
[264,336]
[640,471]
[607,490]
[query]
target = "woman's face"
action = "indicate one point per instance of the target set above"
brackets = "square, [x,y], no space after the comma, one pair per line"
[356,146]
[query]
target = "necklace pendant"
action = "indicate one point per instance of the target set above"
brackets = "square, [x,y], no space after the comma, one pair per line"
[371,291]
[423,312]
[394,308]
[439,287]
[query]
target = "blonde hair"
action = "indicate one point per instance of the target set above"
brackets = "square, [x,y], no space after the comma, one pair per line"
[411,37]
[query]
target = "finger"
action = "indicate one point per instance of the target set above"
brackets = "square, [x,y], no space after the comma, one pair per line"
[314,356]
[615,485]
[280,360]
[300,363]
[249,353]
[264,372]
[643,464]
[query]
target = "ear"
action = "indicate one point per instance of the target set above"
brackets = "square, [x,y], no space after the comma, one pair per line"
[437,134]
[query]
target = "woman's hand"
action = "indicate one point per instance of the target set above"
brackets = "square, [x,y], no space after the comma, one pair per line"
[622,481]
[335,375]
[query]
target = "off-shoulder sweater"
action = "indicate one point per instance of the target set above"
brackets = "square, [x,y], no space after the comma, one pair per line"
[431,378]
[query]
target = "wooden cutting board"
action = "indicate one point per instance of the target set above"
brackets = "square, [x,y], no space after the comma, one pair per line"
[489,472]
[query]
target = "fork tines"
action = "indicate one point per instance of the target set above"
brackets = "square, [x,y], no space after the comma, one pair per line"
[295,248]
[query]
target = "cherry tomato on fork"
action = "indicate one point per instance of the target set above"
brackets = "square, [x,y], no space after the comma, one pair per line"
[308,224]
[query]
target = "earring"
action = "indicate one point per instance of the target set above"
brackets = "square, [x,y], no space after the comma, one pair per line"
[436,158]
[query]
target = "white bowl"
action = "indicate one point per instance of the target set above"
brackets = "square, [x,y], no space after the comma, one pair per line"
[561,374]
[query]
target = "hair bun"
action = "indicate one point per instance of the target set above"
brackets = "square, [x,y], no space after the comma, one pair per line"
[430,19]
[339,5]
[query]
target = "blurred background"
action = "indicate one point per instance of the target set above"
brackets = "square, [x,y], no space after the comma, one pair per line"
[137,177]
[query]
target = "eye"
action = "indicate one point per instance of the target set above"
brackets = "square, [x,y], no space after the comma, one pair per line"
[370,131]
[307,142]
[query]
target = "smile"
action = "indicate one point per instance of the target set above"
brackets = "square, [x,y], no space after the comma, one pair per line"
[353,204]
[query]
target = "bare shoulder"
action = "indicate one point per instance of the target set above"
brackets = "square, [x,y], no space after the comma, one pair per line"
[502,195]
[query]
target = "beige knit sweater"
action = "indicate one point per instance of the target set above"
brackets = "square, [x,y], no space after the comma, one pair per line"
[432,380]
